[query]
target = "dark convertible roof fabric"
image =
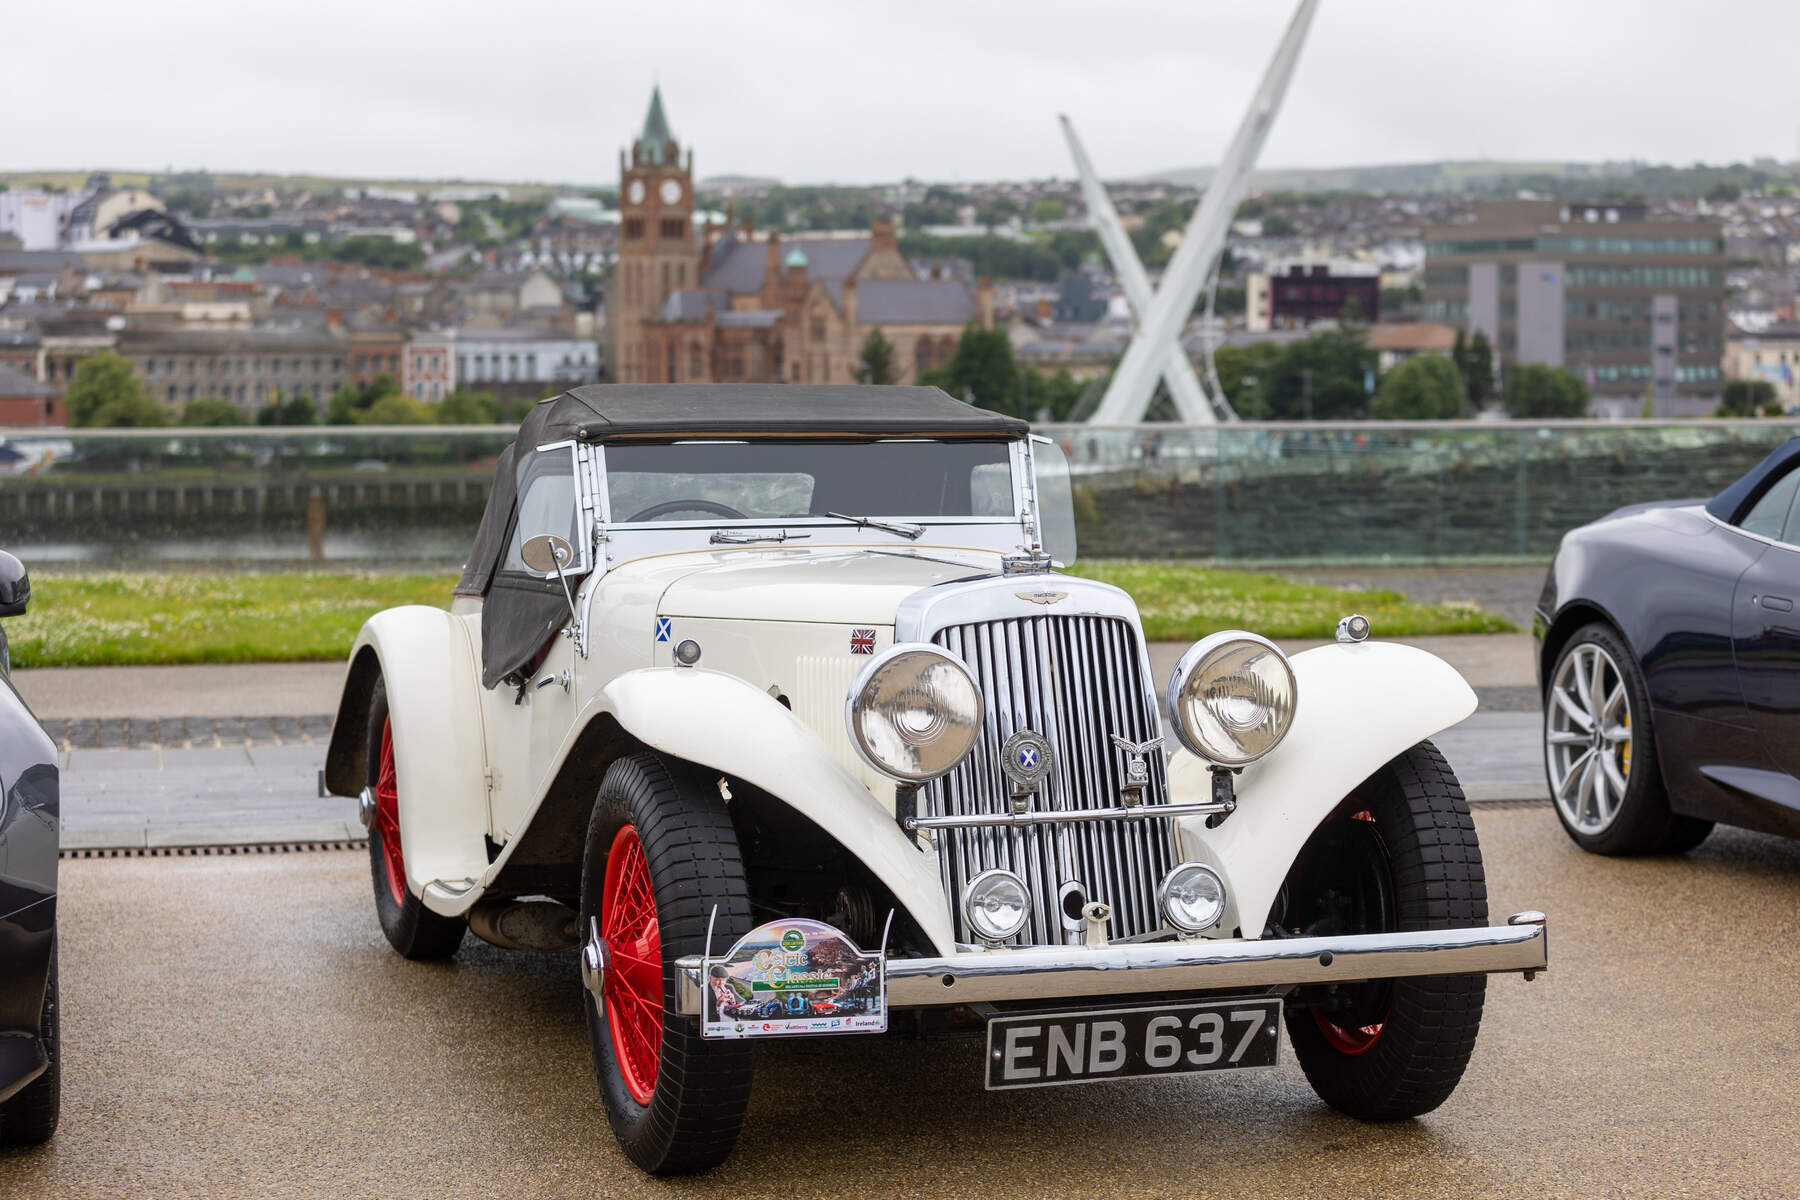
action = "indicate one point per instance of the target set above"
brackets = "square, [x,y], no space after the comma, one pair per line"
[1731,504]
[606,412]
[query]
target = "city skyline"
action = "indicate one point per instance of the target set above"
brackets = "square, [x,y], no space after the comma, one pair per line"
[818,93]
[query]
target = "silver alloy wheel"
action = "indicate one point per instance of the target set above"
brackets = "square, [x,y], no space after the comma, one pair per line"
[1587,738]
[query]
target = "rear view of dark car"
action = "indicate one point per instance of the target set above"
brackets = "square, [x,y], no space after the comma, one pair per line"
[30,1081]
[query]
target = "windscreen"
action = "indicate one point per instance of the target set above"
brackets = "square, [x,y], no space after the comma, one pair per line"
[726,481]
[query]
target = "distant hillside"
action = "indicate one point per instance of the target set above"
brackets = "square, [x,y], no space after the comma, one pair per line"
[1490,177]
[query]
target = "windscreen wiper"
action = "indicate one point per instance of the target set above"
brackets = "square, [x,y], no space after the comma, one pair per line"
[910,532]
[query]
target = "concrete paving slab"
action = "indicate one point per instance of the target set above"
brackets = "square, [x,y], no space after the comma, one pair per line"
[175,691]
[115,760]
[264,833]
[287,756]
[202,756]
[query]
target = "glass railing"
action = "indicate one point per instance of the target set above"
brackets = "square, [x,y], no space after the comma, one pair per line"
[1317,492]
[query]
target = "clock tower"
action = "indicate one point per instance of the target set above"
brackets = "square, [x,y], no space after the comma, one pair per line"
[656,242]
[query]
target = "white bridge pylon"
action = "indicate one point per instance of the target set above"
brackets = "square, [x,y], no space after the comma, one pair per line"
[1155,348]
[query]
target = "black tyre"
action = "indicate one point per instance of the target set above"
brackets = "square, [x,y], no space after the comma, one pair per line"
[1600,752]
[30,1117]
[411,929]
[661,853]
[1399,854]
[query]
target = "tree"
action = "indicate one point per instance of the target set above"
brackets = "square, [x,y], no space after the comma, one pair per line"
[1278,226]
[982,367]
[210,410]
[1747,398]
[469,408]
[1537,390]
[1050,208]
[106,392]
[395,409]
[294,410]
[1055,395]
[1478,370]
[1319,378]
[1242,372]
[1426,387]
[347,405]
[878,360]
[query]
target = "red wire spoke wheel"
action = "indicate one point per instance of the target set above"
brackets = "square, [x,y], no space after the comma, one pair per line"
[662,864]
[413,930]
[634,1012]
[387,815]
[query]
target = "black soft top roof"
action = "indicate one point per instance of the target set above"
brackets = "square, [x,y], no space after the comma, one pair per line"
[610,412]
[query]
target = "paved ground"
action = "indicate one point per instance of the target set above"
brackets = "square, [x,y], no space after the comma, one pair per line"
[237,1027]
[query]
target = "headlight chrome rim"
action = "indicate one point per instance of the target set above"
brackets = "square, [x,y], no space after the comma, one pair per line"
[918,736]
[978,886]
[1205,654]
[1169,910]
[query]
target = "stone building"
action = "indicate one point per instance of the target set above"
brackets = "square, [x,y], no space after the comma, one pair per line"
[739,306]
[248,367]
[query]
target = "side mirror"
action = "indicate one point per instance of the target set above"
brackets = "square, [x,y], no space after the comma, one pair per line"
[546,553]
[15,586]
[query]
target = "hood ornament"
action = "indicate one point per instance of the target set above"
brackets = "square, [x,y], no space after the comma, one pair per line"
[1026,759]
[1137,767]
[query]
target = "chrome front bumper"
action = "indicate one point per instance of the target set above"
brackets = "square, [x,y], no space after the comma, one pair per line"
[1062,972]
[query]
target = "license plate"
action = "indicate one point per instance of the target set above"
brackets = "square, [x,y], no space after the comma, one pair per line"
[1172,1039]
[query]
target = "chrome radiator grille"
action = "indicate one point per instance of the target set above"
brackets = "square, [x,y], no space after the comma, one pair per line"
[1078,681]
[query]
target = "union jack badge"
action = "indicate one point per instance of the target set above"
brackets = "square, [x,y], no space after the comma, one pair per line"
[862,641]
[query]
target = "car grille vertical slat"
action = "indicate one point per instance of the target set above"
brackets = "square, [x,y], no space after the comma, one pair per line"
[1077,681]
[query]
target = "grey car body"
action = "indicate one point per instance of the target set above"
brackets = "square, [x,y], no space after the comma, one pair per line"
[29,839]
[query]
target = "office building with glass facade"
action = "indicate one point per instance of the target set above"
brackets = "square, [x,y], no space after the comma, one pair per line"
[1634,306]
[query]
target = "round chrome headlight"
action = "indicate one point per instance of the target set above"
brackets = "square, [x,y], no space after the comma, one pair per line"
[914,712]
[1193,897]
[996,904]
[1232,697]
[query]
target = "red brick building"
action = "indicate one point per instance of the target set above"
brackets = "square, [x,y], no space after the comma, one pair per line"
[738,306]
[25,403]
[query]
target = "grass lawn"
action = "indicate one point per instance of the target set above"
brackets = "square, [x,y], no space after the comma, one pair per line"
[117,620]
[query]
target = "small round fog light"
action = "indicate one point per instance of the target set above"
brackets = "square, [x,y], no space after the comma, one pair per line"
[1193,897]
[996,904]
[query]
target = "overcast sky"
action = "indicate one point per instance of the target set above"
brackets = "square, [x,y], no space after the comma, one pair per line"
[813,92]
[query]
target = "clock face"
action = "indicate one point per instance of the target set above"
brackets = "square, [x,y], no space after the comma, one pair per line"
[635,193]
[671,191]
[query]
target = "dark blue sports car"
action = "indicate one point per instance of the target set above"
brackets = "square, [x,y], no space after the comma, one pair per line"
[1669,661]
[29,1058]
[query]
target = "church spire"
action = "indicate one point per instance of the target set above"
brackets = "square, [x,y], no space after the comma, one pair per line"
[657,144]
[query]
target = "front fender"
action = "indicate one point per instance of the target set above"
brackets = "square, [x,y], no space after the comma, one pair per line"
[433,691]
[1359,706]
[720,722]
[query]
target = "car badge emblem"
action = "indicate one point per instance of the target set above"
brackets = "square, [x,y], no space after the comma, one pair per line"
[1041,597]
[1137,766]
[1026,759]
[862,641]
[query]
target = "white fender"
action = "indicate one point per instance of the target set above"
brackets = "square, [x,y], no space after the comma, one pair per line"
[433,690]
[723,723]
[1359,706]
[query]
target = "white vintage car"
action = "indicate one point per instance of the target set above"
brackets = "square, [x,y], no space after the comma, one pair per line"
[769,701]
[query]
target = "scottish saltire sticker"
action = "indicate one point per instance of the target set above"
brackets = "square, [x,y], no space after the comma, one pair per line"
[791,977]
[663,628]
[862,641]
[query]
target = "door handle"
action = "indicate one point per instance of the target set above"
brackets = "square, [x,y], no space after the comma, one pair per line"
[553,680]
[1774,603]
